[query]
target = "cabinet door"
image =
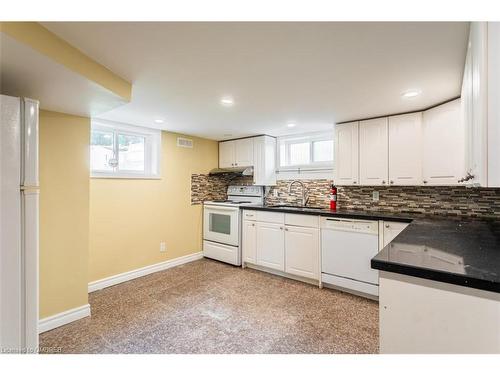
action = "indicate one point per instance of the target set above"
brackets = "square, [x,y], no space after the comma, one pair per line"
[443,159]
[226,154]
[271,245]
[477,90]
[302,251]
[346,154]
[405,149]
[264,166]
[243,151]
[391,230]
[249,242]
[373,152]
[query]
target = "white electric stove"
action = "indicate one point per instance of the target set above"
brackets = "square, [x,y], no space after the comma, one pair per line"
[222,223]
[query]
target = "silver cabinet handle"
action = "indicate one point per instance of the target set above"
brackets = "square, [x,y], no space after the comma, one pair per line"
[286,229]
[391,182]
[281,228]
[425,181]
[253,224]
[387,225]
[354,182]
[383,182]
[467,177]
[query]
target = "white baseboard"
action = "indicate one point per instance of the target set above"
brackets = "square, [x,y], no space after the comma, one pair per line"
[65,317]
[126,276]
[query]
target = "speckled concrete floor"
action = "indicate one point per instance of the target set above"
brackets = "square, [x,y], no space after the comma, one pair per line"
[210,307]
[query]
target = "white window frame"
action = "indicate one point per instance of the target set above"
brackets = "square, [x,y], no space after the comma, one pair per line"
[323,169]
[152,150]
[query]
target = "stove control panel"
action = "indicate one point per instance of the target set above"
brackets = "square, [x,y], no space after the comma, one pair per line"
[251,191]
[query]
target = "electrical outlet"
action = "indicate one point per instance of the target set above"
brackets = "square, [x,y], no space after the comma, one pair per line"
[375,196]
[163,247]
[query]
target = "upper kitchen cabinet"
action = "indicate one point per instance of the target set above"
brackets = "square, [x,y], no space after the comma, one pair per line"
[244,152]
[443,157]
[237,153]
[475,101]
[405,149]
[346,154]
[373,152]
[257,152]
[480,97]
[226,154]
[264,151]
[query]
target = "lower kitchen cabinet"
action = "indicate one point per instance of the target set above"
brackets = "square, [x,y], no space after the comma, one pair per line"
[390,230]
[302,252]
[291,248]
[249,241]
[270,245]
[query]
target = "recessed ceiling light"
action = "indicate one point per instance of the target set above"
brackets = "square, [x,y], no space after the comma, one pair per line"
[159,121]
[227,101]
[411,93]
[291,125]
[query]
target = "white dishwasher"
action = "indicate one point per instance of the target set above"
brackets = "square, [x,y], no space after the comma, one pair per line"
[347,247]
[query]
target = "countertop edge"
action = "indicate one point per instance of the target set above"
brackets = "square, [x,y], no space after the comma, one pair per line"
[362,215]
[435,275]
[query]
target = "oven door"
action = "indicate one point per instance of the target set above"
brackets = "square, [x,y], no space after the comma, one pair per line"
[221,224]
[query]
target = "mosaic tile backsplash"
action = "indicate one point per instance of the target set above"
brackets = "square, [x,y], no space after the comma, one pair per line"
[433,200]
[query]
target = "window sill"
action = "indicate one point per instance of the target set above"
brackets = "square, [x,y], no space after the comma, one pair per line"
[308,174]
[126,177]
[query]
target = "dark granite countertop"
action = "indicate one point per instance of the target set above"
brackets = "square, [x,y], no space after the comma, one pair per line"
[361,215]
[461,252]
[452,250]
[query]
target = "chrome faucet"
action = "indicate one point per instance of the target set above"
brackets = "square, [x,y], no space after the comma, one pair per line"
[305,194]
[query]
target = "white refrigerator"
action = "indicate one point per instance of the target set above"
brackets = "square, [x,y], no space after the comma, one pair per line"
[19,192]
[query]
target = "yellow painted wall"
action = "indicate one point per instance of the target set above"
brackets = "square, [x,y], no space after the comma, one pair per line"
[64,211]
[129,218]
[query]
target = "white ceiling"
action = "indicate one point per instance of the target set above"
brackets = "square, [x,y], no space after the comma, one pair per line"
[313,74]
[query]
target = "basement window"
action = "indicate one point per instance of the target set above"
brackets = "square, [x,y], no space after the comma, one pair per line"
[305,155]
[124,151]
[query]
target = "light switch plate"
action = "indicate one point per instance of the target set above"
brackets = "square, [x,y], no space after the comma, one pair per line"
[375,196]
[163,247]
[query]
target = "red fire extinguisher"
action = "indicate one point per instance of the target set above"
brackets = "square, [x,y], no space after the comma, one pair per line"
[333,198]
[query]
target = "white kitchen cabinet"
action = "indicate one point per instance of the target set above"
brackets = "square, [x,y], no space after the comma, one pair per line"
[257,152]
[237,153]
[243,152]
[480,96]
[493,107]
[249,241]
[264,154]
[443,156]
[226,154]
[405,149]
[292,248]
[271,245]
[475,104]
[302,251]
[390,229]
[346,154]
[430,317]
[373,152]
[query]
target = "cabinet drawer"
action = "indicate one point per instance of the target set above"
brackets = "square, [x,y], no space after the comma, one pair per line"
[249,215]
[302,220]
[270,217]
